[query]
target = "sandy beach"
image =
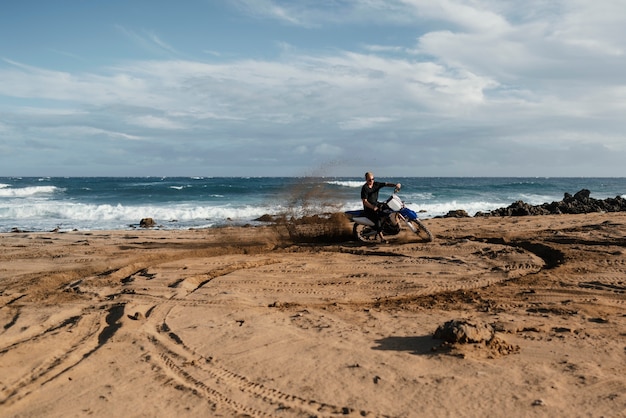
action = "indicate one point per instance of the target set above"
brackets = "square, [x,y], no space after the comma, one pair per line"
[301,321]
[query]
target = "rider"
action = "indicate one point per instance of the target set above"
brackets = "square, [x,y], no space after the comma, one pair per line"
[369,196]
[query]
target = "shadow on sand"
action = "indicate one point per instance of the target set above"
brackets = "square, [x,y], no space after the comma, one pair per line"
[421,345]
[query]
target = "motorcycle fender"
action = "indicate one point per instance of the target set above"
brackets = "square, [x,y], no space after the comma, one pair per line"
[363,220]
[408,213]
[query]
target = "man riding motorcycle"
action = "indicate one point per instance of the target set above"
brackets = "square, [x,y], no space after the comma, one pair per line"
[369,196]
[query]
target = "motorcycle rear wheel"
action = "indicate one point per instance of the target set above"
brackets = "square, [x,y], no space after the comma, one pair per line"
[364,233]
[420,229]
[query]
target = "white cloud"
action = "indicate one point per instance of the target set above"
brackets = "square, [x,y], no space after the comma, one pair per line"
[357,123]
[269,8]
[147,40]
[81,132]
[48,111]
[327,150]
[301,149]
[474,17]
[154,122]
[476,73]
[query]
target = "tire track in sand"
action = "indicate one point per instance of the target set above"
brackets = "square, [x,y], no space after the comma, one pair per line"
[89,331]
[223,388]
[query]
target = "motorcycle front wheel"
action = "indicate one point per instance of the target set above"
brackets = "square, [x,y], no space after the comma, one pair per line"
[420,229]
[364,233]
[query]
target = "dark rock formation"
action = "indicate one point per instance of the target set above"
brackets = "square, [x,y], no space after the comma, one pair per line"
[147,223]
[459,213]
[268,218]
[581,202]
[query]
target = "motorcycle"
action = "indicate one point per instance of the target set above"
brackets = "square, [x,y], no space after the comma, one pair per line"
[393,216]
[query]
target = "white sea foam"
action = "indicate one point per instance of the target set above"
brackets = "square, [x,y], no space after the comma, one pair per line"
[8,191]
[439,209]
[81,211]
[533,199]
[347,183]
[431,210]
[419,196]
[46,215]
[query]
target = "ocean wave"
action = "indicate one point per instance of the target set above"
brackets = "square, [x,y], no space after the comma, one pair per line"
[346,183]
[533,199]
[7,191]
[106,212]
[431,210]
[420,196]
[48,215]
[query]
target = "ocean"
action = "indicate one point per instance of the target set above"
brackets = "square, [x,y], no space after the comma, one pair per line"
[118,203]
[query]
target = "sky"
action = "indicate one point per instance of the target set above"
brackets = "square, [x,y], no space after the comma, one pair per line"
[313,88]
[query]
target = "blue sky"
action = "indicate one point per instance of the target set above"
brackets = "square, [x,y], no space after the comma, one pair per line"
[313,87]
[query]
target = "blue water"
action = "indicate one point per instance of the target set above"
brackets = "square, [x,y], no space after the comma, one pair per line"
[96,203]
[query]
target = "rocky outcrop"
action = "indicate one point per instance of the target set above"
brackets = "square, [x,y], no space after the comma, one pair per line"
[581,202]
[147,223]
[458,213]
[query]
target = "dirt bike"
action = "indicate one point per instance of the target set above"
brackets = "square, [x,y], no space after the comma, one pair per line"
[393,216]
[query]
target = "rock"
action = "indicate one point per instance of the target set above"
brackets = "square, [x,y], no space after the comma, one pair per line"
[580,202]
[147,223]
[459,213]
[266,218]
[464,331]
[582,195]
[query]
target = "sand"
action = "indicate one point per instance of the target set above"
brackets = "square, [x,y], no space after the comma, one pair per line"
[303,322]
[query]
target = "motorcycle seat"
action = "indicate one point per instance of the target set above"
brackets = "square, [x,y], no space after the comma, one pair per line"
[359,212]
